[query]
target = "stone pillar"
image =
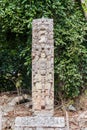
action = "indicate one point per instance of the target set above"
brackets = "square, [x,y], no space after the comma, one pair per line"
[0,118]
[43,67]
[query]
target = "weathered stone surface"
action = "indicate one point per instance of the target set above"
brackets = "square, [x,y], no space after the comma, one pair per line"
[84,128]
[28,129]
[39,128]
[82,119]
[0,119]
[43,67]
[40,121]
[19,128]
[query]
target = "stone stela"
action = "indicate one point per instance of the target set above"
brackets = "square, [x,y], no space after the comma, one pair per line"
[42,81]
[43,67]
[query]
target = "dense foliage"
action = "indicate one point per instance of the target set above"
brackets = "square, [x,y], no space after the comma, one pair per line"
[84,6]
[70,36]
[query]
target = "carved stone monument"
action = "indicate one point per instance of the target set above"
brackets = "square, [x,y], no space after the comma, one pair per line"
[42,81]
[0,119]
[43,67]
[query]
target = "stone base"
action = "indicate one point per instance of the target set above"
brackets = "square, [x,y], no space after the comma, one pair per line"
[43,113]
[39,128]
[39,123]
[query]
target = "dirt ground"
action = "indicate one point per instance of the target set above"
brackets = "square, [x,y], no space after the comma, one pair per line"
[12,106]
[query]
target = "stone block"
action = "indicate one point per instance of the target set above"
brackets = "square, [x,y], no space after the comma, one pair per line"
[28,128]
[58,129]
[49,128]
[18,128]
[39,128]
[39,121]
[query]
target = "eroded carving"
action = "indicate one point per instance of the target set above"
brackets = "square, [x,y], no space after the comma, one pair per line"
[43,66]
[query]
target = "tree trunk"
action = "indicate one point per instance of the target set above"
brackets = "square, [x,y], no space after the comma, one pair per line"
[84,6]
